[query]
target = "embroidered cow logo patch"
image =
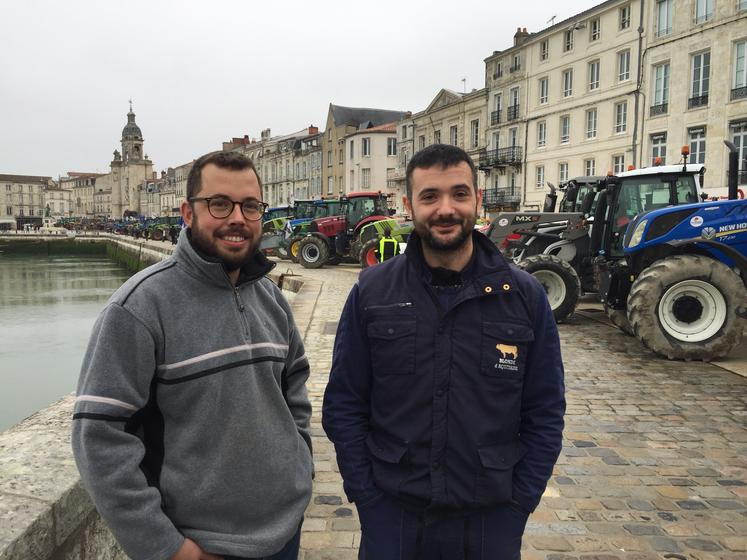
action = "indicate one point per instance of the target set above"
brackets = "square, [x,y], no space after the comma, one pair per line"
[507,356]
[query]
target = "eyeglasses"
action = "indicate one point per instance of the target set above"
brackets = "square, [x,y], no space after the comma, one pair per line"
[221,207]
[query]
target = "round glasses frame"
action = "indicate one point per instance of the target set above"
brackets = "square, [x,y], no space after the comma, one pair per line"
[252,210]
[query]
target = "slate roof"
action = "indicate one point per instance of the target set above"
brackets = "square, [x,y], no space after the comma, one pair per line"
[356,115]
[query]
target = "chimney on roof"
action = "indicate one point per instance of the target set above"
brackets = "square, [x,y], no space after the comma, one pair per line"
[163,174]
[246,138]
[265,134]
[313,129]
[408,114]
[520,36]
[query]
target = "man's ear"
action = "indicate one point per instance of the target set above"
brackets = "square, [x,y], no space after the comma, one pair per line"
[187,213]
[408,205]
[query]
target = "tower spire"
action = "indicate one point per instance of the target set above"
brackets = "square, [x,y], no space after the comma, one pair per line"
[130,105]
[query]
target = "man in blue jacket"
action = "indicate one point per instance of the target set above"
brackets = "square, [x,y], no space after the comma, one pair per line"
[446,398]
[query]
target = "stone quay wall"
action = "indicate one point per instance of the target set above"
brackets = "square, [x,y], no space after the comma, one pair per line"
[45,514]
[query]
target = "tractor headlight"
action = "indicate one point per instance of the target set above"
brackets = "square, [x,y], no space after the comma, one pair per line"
[635,239]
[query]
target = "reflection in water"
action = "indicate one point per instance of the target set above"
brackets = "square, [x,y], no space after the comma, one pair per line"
[47,308]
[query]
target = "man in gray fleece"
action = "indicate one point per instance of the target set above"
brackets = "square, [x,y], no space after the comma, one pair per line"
[191,423]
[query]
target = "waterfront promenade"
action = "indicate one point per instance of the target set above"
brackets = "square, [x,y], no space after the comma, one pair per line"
[654,462]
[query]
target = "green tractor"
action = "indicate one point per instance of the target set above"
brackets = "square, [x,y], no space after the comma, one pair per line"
[297,229]
[370,238]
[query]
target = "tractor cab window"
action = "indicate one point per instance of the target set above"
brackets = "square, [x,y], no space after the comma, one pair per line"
[360,208]
[642,194]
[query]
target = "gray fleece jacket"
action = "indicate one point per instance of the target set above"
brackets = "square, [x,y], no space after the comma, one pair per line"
[192,417]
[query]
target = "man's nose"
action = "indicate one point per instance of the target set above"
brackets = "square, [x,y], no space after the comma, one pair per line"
[236,215]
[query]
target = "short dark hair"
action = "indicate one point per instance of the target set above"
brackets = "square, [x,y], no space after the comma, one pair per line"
[444,155]
[234,161]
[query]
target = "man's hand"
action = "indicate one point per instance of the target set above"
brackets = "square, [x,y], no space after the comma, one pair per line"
[190,550]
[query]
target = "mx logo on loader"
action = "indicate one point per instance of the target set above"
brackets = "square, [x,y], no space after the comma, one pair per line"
[508,356]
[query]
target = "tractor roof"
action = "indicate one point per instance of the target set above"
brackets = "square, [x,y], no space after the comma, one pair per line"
[662,169]
[360,194]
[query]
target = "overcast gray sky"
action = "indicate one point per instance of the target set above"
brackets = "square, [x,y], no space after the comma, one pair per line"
[202,72]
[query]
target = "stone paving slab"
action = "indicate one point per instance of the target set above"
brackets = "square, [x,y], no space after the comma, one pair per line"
[654,461]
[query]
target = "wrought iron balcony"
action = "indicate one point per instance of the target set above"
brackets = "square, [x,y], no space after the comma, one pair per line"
[660,109]
[501,196]
[495,117]
[497,75]
[500,157]
[739,93]
[512,112]
[699,101]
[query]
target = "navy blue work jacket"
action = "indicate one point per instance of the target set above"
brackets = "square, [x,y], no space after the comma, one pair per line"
[456,408]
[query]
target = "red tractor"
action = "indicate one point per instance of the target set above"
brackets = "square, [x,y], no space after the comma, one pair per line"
[334,238]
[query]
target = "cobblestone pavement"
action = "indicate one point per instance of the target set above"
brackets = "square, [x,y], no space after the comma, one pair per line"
[654,462]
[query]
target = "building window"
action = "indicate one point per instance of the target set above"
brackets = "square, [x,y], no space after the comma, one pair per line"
[590,167]
[513,137]
[742,5]
[365,147]
[595,30]
[436,136]
[352,149]
[739,89]
[568,40]
[697,144]
[329,160]
[623,66]
[739,138]
[658,148]
[664,17]
[543,89]
[421,142]
[621,117]
[541,134]
[563,172]
[618,164]
[544,49]
[330,185]
[593,75]
[661,89]
[9,210]
[341,153]
[391,146]
[567,83]
[365,178]
[475,133]
[703,10]
[540,176]
[498,70]
[591,124]
[701,69]
[404,132]
[516,66]
[565,129]
[625,17]
[453,135]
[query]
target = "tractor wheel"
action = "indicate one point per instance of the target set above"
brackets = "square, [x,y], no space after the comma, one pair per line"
[619,318]
[559,280]
[312,252]
[293,245]
[282,252]
[369,254]
[688,307]
[156,235]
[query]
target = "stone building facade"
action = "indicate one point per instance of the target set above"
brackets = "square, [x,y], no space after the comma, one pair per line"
[57,201]
[371,159]
[82,187]
[342,121]
[22,201]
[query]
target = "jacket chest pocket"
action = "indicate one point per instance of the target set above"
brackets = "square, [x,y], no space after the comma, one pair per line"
[392,346]
[504,350]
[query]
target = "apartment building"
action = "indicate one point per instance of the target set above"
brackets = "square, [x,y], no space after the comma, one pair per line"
[23,200]
[694,85]
[341,122]
[57,201]
[623,83]
[372,158]
[307,162]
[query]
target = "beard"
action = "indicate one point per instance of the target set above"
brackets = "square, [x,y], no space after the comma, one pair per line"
[209,244]
[445,244]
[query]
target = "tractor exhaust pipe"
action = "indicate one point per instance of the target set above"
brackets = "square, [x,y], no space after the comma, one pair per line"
[733,169]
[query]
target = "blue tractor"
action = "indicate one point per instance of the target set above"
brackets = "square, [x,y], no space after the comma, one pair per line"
[678,272]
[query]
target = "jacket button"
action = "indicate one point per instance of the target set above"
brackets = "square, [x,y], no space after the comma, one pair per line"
[510,331]
[435,465]
[390,331]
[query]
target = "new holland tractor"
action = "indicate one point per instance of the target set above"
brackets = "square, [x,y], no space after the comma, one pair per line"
[668,267]
[335,238]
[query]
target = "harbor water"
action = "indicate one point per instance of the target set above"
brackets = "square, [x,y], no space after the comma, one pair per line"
[48,305]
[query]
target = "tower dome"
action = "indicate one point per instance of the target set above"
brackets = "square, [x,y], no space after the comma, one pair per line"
[131,131]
